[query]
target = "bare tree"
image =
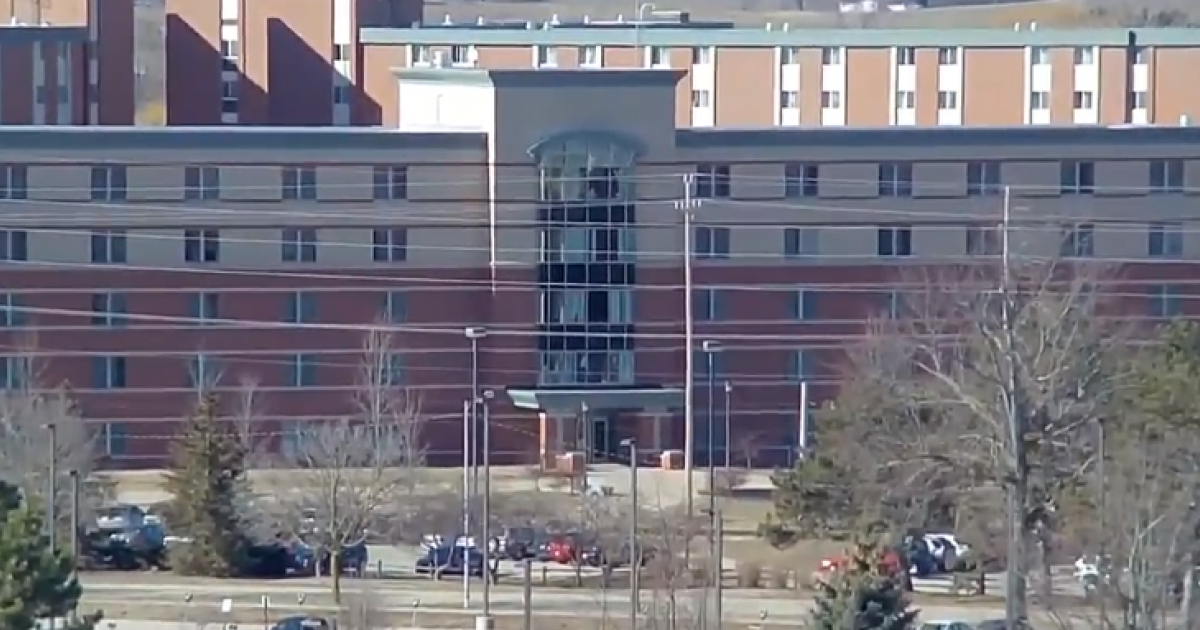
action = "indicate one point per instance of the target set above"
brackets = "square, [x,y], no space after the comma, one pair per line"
[34,420]
[356,476]
[667,536]
[989,380]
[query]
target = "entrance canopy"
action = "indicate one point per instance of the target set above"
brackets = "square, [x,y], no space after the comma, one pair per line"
[567,401]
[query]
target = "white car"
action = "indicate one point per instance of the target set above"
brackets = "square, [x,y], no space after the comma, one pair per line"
[947,549]
[945,625]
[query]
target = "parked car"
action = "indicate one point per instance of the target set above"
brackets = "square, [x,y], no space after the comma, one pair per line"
[519,543]
[305,622]
[946,625]
[451,560]
[352,561]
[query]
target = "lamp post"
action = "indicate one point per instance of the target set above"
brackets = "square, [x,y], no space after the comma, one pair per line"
[473,335]
[470,474]
[711,349]
[635,550]
[485,623]
[728,410]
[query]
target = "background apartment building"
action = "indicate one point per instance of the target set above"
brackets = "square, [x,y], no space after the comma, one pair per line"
[66,62]
[144,264]
[331,62]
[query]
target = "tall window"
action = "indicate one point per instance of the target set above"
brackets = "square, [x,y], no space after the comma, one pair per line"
[389,245]
[299,245]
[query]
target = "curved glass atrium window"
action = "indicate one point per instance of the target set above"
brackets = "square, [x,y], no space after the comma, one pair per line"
[585,168]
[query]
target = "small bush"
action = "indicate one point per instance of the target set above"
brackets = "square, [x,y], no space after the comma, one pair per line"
[779,577]
[749,575]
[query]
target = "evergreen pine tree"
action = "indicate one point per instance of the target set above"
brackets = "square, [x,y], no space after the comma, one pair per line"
[207,483]
[863,594]
[34,583]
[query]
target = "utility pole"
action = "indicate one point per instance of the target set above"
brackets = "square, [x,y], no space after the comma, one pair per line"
[687,205]
[1015,609]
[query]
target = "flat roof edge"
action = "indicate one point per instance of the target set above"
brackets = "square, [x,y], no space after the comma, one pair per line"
[683,36]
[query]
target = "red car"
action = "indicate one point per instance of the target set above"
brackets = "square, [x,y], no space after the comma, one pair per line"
[563,549]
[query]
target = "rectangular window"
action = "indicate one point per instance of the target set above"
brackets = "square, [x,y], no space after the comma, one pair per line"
[109,183]
[14,245]
[1166,176]
[204,308]
[462,55]
[789,56]
[906,56]
[800,180]
[1165,240]
[299,182]
[1079,241]
[301,308]
[591,56]
[948,56]
[389,245]
[109,372]
[983,241]
[831,56]
[701,99]
[393,369]
[1083,99]
[14,372]
[298,245]
[906,99]
[1166,301]
[711,242]
[201,246]
[109,247]
[947,100]
[1077,178]
[801,368]
[983,178]
[1039,56]
[14,182]
[804,304]
[395,307]
[12,315]
[831,99]
[708,304]
[390,183]
[202,183]
[800,242]
[1084,55]
[109,309]
[894,241]
[657,56]
[712,181]
[895,179]
[302,370]
[1039,101]
[545,57]
[789,99]
[702,56]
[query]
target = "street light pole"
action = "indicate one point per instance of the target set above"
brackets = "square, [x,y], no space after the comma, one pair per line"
[635,550]
[52,488]
[470,471]
[728,410]
[52,500]
[474,334]
[711,348]
[486,622]
[466,508]
[687,204]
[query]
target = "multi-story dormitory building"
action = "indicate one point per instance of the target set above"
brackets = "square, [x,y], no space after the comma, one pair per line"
[525,178]
[540,204]
[324,62]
